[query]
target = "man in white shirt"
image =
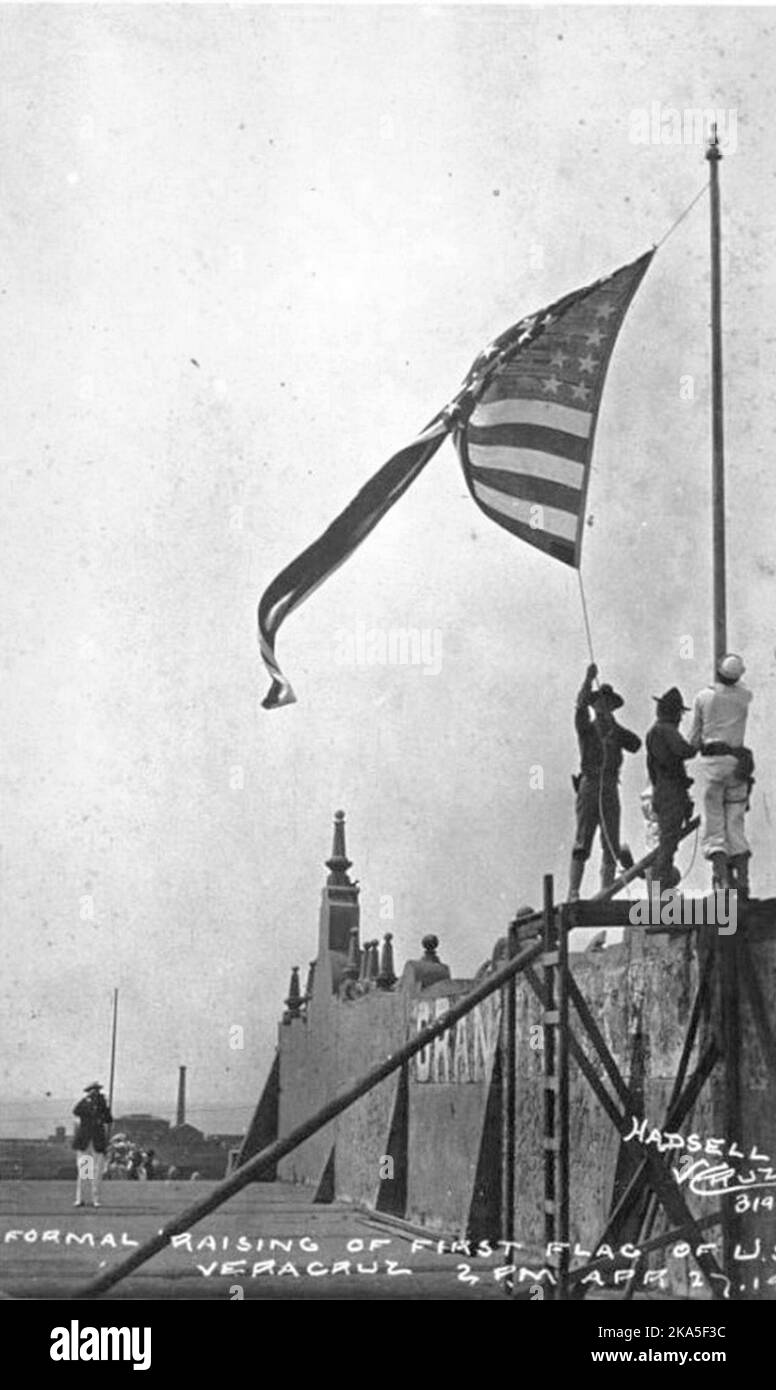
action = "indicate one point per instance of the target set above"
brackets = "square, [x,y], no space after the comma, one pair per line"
[718,731]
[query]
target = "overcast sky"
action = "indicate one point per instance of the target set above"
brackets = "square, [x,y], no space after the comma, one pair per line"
[248,252]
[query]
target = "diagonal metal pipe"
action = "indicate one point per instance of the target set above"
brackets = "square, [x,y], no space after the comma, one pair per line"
[264,1161]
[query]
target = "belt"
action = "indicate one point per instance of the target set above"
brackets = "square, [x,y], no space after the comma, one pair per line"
[719,750]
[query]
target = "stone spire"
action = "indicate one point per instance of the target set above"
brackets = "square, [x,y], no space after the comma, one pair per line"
[309,987]
[386,978]
[339,903]
[294,1000]
[339,862]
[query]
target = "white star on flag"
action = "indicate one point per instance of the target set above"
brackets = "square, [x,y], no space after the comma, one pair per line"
[586,364]
[527,447]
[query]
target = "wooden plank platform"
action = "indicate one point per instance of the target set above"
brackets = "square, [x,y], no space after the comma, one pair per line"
[757,917]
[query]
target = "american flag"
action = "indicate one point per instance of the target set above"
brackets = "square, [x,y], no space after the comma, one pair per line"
[298,580]
[527,445]
[524,421]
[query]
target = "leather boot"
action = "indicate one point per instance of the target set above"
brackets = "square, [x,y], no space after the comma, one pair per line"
[576,874]
[608,874]
[608,870]
[626,858]
[738,871]
[719,870]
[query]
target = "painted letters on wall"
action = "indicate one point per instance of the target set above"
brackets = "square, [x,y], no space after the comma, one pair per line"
[464,1053]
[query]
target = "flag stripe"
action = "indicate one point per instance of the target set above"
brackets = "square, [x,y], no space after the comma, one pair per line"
[534,437]
[299,579]
[555,546]
[529,463]
[517,411]
[540,490]
[560,524]
[527,445]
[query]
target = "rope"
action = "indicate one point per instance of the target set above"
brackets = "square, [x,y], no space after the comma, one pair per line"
[681,217]
[686,872]
[584,615]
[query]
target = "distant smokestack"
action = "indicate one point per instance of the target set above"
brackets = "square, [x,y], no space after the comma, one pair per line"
[180,1118]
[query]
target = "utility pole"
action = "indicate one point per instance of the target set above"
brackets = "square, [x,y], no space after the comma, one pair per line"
[113,1049]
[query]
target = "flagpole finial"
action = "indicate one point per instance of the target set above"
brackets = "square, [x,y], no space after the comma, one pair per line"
[713,150]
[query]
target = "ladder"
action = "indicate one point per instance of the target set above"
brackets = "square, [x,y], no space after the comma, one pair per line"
[555,1021]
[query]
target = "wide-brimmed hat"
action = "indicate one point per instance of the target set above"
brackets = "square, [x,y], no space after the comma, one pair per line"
[94,1086]
[607,693]
[672,700]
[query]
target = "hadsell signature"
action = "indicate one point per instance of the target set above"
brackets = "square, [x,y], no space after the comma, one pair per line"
[704,1166]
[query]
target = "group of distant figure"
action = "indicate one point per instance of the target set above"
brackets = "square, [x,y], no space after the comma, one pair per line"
[716,736]
[125,1159]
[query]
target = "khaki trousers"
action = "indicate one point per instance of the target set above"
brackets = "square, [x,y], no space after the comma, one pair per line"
[724,808]
[90,1166]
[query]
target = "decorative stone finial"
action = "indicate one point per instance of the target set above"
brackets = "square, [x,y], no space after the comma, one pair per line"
[308,990]
[430,969]
[373,965]
[387,976]
[352,969]
[339,862]
[294,1000]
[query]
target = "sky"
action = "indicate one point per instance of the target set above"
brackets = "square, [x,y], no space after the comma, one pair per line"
[247,253]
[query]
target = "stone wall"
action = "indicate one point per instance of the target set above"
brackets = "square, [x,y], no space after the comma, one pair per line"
[640,994]
[426,1144]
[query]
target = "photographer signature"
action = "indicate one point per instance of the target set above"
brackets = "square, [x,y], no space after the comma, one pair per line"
[707,1179]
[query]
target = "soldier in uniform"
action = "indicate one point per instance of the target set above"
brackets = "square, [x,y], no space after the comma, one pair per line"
[667,753]
[718,731]
[601,744]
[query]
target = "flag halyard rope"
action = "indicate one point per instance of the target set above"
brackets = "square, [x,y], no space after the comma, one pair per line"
[681,217]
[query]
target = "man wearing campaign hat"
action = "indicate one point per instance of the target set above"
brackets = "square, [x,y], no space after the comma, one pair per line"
[667,753]
[718,731]
[90,1140]
[601,743]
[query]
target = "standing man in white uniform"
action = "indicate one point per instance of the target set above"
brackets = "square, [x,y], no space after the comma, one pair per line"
[718,731]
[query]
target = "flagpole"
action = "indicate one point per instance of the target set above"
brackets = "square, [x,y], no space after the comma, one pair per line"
[113,1049]
[730,1021]
[714,155]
